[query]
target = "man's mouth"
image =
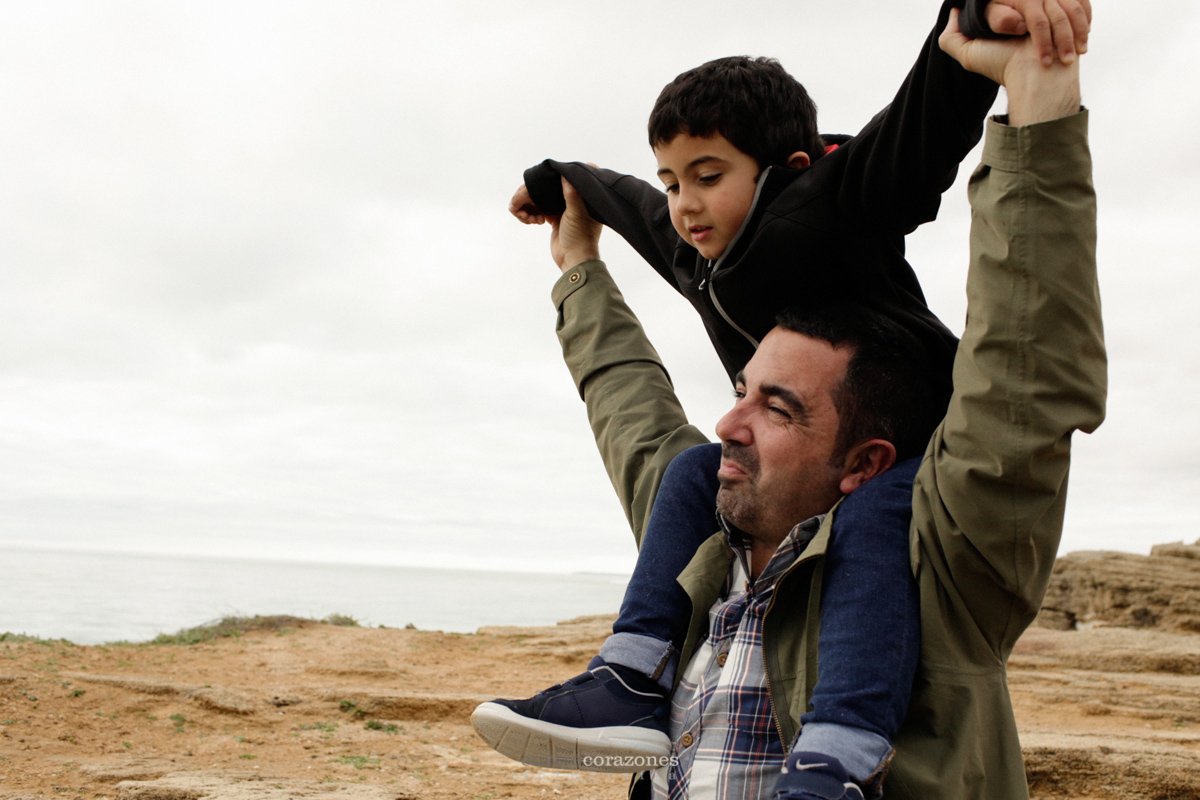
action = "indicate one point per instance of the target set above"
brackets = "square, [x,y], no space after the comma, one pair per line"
[730,470]
[737,461]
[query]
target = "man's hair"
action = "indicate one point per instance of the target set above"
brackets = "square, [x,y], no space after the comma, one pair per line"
[753,102]
[894,388]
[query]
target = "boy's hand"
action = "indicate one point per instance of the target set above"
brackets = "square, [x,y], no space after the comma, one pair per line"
[1055,26]
[1036,93]
[521,206]
[575,236]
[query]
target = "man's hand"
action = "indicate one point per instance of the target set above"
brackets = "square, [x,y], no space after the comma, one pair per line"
[525,210]
[522,207]
[1036,93]
[575,236]
[1060,26]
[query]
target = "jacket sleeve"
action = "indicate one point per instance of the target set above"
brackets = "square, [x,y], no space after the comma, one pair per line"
[633,208]
[635,416]
[1031,369]
[894,171]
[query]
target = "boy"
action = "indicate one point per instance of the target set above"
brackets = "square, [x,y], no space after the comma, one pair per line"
[752,222]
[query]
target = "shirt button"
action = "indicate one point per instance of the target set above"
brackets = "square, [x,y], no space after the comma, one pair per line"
[686,740]
[721,659]
[575,277]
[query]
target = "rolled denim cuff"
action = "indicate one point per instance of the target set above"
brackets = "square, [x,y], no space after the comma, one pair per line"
[647,654]
[863,753]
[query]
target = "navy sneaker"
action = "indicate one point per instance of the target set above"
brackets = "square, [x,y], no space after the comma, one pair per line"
[608,719]
[812,776]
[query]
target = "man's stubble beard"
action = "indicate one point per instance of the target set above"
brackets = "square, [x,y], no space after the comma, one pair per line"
[738,502]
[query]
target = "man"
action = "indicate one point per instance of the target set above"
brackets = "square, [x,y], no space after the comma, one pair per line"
[988,498]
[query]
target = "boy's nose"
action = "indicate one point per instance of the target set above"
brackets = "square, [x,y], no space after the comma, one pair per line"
[689,201]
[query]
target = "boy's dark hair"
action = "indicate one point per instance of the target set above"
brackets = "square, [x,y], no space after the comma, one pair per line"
[753,102]
[894,388]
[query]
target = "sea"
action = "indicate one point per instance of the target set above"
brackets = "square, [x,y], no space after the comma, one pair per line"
[99,597]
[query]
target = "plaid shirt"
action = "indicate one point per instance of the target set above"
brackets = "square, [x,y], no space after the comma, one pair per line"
[725,740]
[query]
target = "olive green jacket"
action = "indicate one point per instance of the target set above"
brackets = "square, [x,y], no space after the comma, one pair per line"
[989,496]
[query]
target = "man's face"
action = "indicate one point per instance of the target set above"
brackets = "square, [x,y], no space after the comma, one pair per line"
[710,185]
[778,441]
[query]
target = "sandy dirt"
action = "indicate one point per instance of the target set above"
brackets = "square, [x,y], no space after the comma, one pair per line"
[314,710]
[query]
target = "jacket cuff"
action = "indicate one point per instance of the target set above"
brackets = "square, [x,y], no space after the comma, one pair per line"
[1044,146]
[576,278]
[595,326]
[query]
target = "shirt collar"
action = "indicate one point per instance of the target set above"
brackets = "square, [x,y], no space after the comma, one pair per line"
[785,555]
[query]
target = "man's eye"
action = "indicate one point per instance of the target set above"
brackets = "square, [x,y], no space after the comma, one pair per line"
[779,412]
[738,394]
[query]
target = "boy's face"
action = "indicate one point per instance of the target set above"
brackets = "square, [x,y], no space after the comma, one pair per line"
[710,185]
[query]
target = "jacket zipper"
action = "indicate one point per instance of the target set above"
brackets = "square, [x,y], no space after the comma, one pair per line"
[767,674]
[713,266]
[712,295]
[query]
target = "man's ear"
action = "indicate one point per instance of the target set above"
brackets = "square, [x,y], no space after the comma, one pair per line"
[864,461]
[799,160]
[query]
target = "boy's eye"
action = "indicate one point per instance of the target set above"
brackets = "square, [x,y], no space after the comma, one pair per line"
[671,188]
[709,179]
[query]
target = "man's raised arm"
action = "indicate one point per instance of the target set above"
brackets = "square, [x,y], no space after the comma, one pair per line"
[1031,368]
[989,498]
[635,416]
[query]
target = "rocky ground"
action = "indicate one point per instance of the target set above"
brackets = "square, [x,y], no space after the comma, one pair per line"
[1108,701]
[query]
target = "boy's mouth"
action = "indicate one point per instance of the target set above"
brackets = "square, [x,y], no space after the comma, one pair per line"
[699,232]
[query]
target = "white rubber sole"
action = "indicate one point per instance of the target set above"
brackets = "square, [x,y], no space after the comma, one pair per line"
[544,744]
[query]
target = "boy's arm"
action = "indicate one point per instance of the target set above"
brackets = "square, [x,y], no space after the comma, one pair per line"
[634,209]
[892,174]
[1031,369]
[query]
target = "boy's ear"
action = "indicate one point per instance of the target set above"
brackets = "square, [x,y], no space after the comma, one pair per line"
[799,160]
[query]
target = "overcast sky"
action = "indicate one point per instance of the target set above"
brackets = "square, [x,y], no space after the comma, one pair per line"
[259,294]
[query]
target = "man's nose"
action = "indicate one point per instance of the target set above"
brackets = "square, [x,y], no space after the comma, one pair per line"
[732,427]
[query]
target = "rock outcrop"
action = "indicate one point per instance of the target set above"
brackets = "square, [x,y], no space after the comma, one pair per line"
[1161,590]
